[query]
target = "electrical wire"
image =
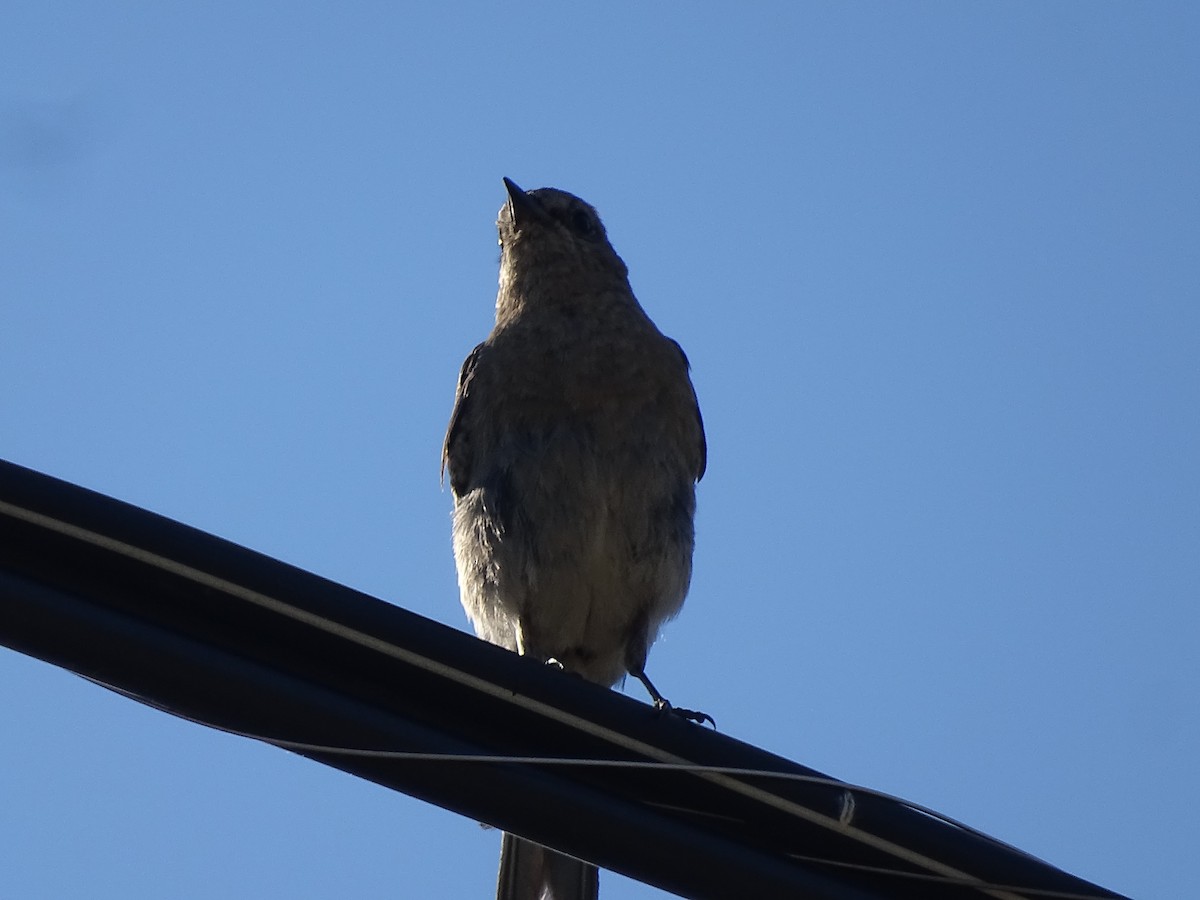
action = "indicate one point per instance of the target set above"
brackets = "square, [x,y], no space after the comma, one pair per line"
[687,768]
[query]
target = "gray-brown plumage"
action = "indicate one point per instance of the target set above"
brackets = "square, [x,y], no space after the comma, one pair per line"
[573,452]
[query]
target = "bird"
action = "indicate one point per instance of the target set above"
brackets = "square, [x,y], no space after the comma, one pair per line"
[573,452]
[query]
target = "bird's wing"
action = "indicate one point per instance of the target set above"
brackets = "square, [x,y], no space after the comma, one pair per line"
[454,451]
[701,443]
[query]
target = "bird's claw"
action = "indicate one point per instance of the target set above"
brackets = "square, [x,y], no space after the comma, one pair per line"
[662,705]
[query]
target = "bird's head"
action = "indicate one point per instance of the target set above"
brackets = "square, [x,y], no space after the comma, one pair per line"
[549,233]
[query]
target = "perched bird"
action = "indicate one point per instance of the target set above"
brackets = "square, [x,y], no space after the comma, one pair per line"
[573,452]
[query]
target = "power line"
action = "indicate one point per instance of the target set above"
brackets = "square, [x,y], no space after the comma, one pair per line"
[219,634]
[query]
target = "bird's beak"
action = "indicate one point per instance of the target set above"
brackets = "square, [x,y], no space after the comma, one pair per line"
[521,206]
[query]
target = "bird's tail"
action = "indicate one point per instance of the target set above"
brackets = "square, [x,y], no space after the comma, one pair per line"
[529,871]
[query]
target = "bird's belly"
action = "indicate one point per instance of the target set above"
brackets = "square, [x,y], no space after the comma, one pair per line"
[574,543]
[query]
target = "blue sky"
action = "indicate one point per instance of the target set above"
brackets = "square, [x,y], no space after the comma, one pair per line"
[936,269]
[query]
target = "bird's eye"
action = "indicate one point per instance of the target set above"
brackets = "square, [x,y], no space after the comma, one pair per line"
[582,223]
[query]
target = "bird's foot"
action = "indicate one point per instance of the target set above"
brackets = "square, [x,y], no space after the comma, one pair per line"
[663,705]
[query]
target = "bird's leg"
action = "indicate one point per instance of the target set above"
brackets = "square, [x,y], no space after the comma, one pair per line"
[662,704]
